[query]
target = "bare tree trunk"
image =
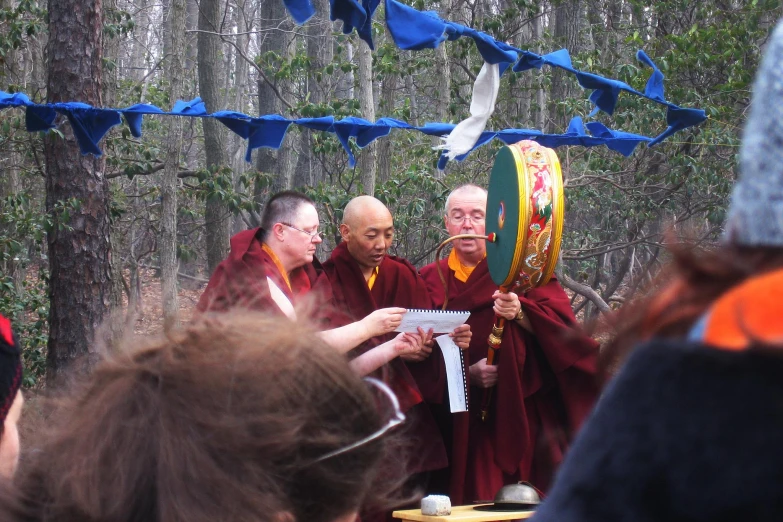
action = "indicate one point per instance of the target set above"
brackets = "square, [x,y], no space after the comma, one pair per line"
[237,144]
[345,85]
[410,90]
[110,84]
[443,74]
[167,246]
[567,22]
[140,39]
[280,164]
[191,46]
[134,284]
[217,215]
[79,245]
[320,51]
[388,88]
[540,106]
[268,102]
[368,156]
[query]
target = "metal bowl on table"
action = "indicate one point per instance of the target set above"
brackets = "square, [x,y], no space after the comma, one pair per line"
[514,497]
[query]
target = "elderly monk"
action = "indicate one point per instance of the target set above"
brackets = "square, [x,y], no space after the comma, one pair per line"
[545,375]
[366,278]
[271,267]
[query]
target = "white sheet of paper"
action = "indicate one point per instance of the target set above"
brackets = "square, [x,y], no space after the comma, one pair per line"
[455,374]
[440,321]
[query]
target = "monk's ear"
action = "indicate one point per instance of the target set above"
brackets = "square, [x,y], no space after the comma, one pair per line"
[277,231]
[445,220]
[345,231]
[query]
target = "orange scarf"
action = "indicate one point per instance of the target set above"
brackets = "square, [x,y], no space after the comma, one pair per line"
[278,264]
[461,272]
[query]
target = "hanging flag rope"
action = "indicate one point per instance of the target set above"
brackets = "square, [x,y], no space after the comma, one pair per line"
[90,124]
[412,29]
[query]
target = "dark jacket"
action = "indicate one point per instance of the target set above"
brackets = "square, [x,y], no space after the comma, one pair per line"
[685,432]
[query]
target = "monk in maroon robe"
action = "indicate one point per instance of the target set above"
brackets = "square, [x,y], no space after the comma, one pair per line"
[364,279]
[273,267]
[240,280]
[545,375]
[260,264]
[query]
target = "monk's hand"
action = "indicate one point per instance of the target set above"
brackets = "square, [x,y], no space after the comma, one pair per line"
[406,344]
[507,304]
[383,321]
[424,344]
[483,375]
[461,336]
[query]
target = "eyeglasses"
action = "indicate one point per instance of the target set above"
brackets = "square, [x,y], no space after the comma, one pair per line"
[313,235]
[397,419]
[458,220]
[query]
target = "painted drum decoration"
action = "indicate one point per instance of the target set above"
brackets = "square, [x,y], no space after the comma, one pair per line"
[526,195]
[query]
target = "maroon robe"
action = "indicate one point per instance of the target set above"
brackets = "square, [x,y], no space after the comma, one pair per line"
[396,285]
[239,281]
[546,387]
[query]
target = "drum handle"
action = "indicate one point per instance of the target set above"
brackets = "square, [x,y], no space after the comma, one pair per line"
[489,237]
[493,342]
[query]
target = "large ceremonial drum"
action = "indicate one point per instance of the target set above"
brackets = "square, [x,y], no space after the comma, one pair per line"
[525,212]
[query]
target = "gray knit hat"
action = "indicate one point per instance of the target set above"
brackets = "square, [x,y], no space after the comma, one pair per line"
[756,212]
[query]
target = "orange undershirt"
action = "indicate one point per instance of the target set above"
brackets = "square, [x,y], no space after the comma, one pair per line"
[373,277]
[278,264]
[461,272]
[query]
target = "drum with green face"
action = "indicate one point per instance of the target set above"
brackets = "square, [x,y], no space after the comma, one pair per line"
[525,212]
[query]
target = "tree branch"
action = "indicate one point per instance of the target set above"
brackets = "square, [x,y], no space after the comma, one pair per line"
[157,168]
[180,274]
[583,290]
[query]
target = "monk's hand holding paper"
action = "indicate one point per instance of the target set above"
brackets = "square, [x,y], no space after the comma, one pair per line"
[461,336]
[383,321]
[424,344]
[483,375]
[407,344]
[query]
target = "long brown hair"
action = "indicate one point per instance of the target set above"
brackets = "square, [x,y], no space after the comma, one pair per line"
[683,292]
[221,421]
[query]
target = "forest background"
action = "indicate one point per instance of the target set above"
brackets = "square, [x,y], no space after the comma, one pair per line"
[78,234]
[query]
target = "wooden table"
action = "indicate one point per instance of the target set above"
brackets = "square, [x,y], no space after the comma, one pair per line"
[463,514]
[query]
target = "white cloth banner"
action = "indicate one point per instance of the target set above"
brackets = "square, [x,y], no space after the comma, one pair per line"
[485,93]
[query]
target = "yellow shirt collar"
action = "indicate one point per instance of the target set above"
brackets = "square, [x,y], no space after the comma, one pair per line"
[373,277]
[461,272]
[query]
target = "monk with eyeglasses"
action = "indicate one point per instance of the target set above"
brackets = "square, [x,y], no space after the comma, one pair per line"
[544,379]
[272,267]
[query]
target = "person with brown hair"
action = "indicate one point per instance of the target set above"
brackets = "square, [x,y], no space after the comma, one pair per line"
[691,427]
[231,419]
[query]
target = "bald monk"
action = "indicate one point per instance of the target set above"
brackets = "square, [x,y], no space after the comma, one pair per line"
[365,278]
[545,375]
[273,267]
